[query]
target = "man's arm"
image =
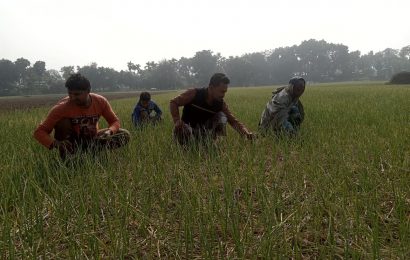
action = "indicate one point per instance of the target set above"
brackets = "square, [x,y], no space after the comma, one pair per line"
[112,119]
[238,126]
[157,110]
[136,115]
[43,131]
[181,100]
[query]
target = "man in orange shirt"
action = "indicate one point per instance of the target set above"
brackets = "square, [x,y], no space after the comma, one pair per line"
[75,121]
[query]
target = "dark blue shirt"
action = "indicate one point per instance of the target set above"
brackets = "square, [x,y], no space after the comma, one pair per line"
[152,107]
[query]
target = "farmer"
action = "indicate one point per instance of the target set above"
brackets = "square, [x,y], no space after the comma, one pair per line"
[74,120]
[284,112]
[146,111]
[205,113]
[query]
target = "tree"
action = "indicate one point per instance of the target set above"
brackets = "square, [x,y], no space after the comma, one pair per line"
[185,71]
[133,67]
[204,65]
[317,61]
[128,80]
[340,67]
[401,78]
[284,63]
[166,75]
[39,68]
[239,71]
[387,62]
[8,77]
[260,73]
[36,78]
[108,79]
[91,73]
[21,66]
[101,78]
[54,82]
[162,75]
[67,71]
[405,52]
[405,57]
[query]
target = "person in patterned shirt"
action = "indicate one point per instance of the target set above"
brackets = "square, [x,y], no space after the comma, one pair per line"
[284,113]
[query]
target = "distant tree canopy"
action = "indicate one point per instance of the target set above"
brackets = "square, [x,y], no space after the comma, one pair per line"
[401,78]
[317,61]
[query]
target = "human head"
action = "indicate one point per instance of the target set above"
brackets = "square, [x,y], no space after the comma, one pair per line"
[297,85]
[78,88]
[77,81]
[145,98]
[218,85]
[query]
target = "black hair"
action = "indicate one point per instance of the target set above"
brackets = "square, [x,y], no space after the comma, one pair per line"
[77,81]
[218,78]
[145,96]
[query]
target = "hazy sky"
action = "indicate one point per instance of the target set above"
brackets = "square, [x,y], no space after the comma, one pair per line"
[113,32]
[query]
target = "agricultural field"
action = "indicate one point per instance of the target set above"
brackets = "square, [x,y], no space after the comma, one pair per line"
[340,189]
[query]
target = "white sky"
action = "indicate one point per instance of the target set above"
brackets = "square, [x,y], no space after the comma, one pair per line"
[113,32]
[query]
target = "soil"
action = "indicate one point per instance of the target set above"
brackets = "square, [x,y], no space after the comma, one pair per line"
[28,102]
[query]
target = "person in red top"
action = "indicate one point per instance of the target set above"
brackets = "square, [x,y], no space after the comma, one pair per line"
[74,120]
[205,113]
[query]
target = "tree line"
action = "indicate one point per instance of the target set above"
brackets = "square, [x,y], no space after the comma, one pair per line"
[317,61]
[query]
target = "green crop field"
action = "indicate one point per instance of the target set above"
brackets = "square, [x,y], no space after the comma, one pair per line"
[341,189]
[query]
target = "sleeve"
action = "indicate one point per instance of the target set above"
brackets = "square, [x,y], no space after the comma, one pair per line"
[110,116]
[43,131]
[266,118]
[181,100]
[238,126]
[157,110]
[136,115]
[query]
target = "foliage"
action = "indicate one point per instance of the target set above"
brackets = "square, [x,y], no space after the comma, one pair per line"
[317,61]
[401,78]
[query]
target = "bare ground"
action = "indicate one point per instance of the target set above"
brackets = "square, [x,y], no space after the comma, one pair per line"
[28,102]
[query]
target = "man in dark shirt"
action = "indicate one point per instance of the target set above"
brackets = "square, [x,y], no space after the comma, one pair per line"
[205,112]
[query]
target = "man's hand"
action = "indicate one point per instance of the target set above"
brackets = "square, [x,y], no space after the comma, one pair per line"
[251,136]
[179,124]
[105,134]
[144,116]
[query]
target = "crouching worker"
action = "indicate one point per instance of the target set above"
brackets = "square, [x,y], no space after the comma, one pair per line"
[146,111]
[205,113]
[74,120]
[284,112]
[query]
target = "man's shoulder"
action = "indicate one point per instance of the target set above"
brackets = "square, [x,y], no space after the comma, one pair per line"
[98,96]
[199,92]
[283,93]
[278,90]
[61,104]
[282,97]
[63,100]
[99,99]
[188,90]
